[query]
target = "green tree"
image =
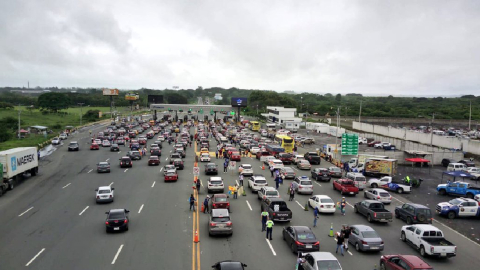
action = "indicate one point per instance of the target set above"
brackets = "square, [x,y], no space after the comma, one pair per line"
[338,98]
[175,98]
[5,135]
[53,101]
[9,123]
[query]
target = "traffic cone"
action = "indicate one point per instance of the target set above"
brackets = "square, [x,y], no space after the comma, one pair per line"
[263,167]
[203,208]
[331,230]
[306,206]
[196,240]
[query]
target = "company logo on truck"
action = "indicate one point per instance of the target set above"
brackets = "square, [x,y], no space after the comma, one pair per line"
[21,161]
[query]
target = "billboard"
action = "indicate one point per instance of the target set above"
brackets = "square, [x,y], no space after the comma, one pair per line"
[131,96]
[155,99]
[110,92]
[239,102]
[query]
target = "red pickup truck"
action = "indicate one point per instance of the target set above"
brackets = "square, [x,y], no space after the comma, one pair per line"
[345,186]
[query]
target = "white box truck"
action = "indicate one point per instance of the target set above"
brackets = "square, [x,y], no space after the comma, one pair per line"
[14,163]
[361,159]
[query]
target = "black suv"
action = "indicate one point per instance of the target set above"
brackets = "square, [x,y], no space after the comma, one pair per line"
[447,161]
[211,168]
[322,174]
[125,162]
[312,157]
[117,220]
[414,213]
[114,148]
[178,163]
[73,146]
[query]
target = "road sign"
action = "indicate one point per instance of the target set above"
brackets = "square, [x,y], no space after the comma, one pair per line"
[196,171]
[233,164]
[349,144]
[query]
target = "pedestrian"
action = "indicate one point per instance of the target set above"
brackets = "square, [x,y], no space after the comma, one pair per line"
[277,182]
[235,191]
[198,185]
[346,231]
[315,216]
[271,170]
[340,241]
[191,200]
[343,203]
[205,204]
[291,192]
[269,225]
[225,166]
[216,154]
[38,154]
[240,177]
[264,217]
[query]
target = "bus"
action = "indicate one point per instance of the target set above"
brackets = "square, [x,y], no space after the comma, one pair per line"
[255,125]
[285,142]
[271,126]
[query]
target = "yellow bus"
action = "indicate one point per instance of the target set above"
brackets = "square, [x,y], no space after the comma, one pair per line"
[285,142]
[255,125]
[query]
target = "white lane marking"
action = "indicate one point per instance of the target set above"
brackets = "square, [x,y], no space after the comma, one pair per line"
[318,184]
[249,206]
[201,183]
[26,211]
[457,232]
[271,248]
[83,211]
[107,160]
[90,171]
[350,204]
[161,169]
[140,210]
[119,152]
[125,170]
[111,184]
[349,253]
[67,185]
[118,253]
[153,183]
[33,259]
[166,159]
[303,207]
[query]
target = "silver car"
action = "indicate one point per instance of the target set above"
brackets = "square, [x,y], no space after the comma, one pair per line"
[378,194]
[320,261]
[104,194]
[365,238]
[359,179]
[220,222]
[247,170]
[303,185]
[287,173]
[215,184]
[304,165]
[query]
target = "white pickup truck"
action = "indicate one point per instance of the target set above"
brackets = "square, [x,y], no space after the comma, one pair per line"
[387,184]
[428,240]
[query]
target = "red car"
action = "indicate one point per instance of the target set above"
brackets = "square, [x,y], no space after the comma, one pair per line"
[150,135]
[345,186]
[125,162]
[94,146]
[371,144]
[235,156]
[397,262]
[285,158]
[142,141]
[220,201]
[171,176]
[153,160]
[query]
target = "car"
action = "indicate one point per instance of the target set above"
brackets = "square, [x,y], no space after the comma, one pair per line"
[56,141]
[410,262]
[297,158]
[104,194]
[114,147]
[153,160]
[235,156]
[229,265]
[174,156]
[245,170]
[320,261]
[467,163]
[215,184]
[63,136]
[459,207]
[170,176]
[97,141]
[324,203]
[256,182]
[377,194]
[358,178]
[312,158]
[204,150]
[73,146]
[287,173]
[414,213]
[254,150]
[94,146]
[169,167]
[103,167]
[477,198]
[219,201]
[106,143]
[117,220]
[364,238]
[120,141]
[373,143]
[134,155]
[472,170]
[156,152]
[335,172]
[219,222]
[204,157]
[178,163]
[268,192]
[447,161]
[322,174]
[300,238]
[304,165]
[126,162]
[303,184]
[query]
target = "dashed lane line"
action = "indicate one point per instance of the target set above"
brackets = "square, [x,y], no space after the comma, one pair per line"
[140,210]
[33,259]
[107,160]
[67,185]
[118,253]
[90,171]
[110,184]
[83,211]
[271,248]
[249,206]
[300,204]
[125,170]
[153,183]
[25,211]
[161,169]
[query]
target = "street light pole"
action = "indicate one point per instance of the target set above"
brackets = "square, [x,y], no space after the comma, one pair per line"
[81,112]
[257,109]
[19,112]
[336,132]
[301,101]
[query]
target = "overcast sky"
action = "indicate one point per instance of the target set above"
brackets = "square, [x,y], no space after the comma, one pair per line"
[369,47]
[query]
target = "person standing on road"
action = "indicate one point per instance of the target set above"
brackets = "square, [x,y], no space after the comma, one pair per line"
[271,170]
[198,185]
[225,166]
[240,179]
[291,192]
[269,225]
[277,182]
[235,191]
[191,200]
[264,216]
[340,241]
[216,154]
[315,216]
[346,230]
[205,204]
[343,204]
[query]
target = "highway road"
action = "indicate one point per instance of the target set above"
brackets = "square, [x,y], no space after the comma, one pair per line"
[51,221]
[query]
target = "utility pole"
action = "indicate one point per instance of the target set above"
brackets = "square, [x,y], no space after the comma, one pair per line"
[336,132]
[301,102]
[470,116]
[257,109]
[81,112]
[19,112]
[360,114]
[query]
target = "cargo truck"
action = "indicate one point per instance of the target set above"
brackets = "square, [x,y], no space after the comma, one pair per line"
[378,167]
[14,163]
[361,159]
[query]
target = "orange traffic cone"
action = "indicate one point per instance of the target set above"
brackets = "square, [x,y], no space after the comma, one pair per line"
[196,240]
[203,208]
[263,167]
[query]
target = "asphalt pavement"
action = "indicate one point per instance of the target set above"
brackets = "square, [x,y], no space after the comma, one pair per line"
[51,221]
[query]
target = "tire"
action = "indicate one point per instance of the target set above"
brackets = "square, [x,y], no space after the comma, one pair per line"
[34,171]
[397,215]
[442,192]
[382,266]
[403,237]
[283,236]
[451,215]
[369,218]
[399,190]
[106,230]
[11,185]
[409,220]
[292,247]
[357,247]
[470,195]
[333,187]
[422,251]
[355,209]
[375,185]
[421,218]
[126,229]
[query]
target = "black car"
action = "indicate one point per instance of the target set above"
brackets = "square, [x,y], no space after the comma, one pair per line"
[174,156]
[467,163]
[117,220]
[159,143]
[134,155]
[322,174]
[447,161]
[300,238]
[73,146]
[114,148]
[181,152]
[414,213]
[211,168]
[178,163]
[155,152]
[103,167]
[229,265]
[125,162]
[312,157]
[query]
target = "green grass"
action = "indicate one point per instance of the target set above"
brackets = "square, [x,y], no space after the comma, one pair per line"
[31,140]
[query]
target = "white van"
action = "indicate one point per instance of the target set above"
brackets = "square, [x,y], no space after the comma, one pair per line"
[453,167]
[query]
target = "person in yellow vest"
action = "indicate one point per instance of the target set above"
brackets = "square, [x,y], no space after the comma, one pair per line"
[269,225]
[407,180]
[235,192]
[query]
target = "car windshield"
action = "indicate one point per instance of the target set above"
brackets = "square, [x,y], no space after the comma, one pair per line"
[455,201]
[169,173]
[261,181]
[116,215]
[211,166]
[153,158]
[221,199]
[104,191]
[306,236]
[370,234]
[384,194]
[328,265]
[306,183]
[216,182]
[125,159]
[220,219]
[247,167]
[360,179]
[326,200]
[135,154]
[272,193]
[335,169]
[103,165]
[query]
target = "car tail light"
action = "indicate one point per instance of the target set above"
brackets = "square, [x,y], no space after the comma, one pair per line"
[316,243]
[432,249]
[300,186]
[228,204]
[125,221]
[299,243]
[363,242]
[229,223]
[378,197]
[111,196]
[214,205]
[381,243]
[106,223]
[374,215]
[212,224]
[273,214]
[98,197]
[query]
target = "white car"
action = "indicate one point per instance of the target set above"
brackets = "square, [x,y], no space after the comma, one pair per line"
[297,158]
[98,141]
[265,159]
[63,136]
[56,141]
[477,198]
[467,170]
[106,143]
[205,157]
[215,184]
[382,145]
[386,183]
[303,184]
[378,194]
[256,182]
[324,203]
[161,138]
[104,194]
[268,192]
[277,164]
[247,169]
[254,150]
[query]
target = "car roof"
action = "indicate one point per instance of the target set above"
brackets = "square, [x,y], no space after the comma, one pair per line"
[125,157]
[301,228]
[269,188]
[103,163]
[355,174]
[288,168]
[104,187]
[215,178]
[379,190]
[416,261]
[363,228]
[220,213]
[117,211]
[322,196]
[220,195]
[426,227]
[73,142]
[323,256]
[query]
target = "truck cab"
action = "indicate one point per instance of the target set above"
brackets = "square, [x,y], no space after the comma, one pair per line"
[459,189]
